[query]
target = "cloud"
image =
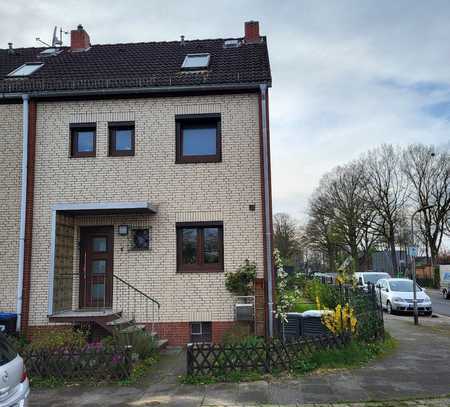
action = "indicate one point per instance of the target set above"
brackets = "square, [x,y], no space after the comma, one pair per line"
[347,75]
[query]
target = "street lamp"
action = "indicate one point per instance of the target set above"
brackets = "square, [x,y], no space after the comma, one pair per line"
[413,262]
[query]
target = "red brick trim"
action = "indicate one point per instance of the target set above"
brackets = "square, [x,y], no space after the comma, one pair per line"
[32,116]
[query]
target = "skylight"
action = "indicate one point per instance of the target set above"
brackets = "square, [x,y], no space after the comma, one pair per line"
[26,69]
[50,52]
[196,61]
[231,43]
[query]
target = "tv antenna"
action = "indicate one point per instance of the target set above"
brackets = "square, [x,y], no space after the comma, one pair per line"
[55,40]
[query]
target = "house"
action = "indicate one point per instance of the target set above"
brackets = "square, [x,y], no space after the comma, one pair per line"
[133,176]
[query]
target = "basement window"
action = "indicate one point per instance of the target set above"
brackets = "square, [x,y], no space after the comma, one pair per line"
[201,332]
[196,61]
[26,69]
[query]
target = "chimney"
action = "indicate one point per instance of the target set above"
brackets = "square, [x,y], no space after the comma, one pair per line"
[252,32]
[79,39]
[10,48]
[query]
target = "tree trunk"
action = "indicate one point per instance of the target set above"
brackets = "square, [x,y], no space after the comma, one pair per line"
[393,255]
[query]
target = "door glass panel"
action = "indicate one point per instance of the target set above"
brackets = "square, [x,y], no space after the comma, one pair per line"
[98,267]
[189,246]
[98,291]
[99,244]
[211,247]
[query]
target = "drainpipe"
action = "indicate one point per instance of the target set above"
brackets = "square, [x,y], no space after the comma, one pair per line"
[267,220]
[23,204]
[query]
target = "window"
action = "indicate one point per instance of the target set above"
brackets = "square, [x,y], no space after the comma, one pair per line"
[198,138]
[141,239]
[121,139]
[83,140]
[196,61]
[201,332]
[200,247]
[26,69]
[7,353]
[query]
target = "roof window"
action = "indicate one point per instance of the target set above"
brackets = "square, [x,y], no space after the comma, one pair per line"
[26,69]
[231,43]
[196,61]
[50,52]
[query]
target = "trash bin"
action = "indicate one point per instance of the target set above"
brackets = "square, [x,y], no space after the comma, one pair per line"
[8,322]
[308,323]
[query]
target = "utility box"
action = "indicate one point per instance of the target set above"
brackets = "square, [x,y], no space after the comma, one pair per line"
[245,308]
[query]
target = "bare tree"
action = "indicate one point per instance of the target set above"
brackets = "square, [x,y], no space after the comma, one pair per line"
[286,236]
[341,200]
[386,188]
[429,175]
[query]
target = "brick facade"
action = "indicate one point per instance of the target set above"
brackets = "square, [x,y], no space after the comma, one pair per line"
[10,174]
[182,193]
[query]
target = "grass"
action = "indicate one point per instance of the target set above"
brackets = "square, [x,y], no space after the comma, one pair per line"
[355,354]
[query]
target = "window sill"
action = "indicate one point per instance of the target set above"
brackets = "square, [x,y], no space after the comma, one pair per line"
[200,271]
[198,160]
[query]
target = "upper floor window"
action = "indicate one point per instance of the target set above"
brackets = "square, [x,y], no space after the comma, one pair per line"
[200,247]
[121,138]
[83,140]
[198,138]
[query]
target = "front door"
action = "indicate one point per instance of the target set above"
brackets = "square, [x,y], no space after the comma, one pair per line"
[96,266]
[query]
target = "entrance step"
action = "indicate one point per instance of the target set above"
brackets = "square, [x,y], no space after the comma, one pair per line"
[162,343]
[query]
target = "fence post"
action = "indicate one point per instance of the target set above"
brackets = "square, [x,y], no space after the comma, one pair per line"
[189,359]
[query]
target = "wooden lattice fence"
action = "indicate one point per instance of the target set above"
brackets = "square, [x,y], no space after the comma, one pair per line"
[216,359]
[79,364]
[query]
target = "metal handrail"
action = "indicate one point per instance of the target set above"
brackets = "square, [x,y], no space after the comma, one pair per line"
[137,290]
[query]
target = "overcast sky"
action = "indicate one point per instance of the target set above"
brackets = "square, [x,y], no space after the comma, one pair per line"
[347,75]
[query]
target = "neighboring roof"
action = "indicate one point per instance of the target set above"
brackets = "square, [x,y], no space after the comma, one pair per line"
[136,65]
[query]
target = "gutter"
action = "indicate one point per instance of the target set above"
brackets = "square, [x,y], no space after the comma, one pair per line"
[267,206]
[23,207]
[136,90]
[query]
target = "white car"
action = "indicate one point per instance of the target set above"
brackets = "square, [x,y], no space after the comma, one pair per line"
[397,296]
[369,277]
[14,384]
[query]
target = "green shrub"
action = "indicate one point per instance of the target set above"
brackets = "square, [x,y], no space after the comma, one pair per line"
[54,340]
[241,282]
[327,294]
[141,342]
[237,333]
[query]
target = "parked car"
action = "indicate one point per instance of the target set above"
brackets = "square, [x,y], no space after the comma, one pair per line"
[444,281]
[397,296]
[369,277]
[14,384]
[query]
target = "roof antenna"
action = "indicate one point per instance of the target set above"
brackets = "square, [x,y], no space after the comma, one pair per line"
[55,40]
[182,40]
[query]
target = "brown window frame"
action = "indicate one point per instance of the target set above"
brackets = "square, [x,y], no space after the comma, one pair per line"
[112,128]
[200,120]
[75,128]
[205,334]
[200,266]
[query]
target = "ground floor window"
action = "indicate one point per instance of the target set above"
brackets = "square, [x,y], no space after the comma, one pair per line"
[201,332]
[200,247]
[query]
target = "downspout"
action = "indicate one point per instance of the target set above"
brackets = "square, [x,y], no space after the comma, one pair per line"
[23,204]
[267,220]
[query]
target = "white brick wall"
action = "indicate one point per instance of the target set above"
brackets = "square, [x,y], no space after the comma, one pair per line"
[207,191]
[10,174]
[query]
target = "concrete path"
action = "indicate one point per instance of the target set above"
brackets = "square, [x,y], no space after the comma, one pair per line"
[419,368]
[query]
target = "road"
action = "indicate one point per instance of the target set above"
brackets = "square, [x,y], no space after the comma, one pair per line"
[440,306]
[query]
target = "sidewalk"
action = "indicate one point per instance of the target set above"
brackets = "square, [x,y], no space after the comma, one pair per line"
[418,369]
